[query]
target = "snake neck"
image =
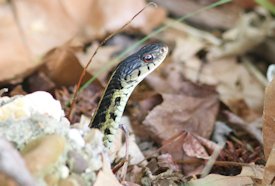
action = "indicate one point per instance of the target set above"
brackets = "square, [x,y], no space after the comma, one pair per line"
[125,78]
[111,106]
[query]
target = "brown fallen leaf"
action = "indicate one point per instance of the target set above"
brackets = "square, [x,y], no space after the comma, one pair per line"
[191,144]
[139,105]
[134,153]
[182,112]
[62,66]
[106,176]
[268,118]
[167,161]
[40,82]
[108,16]
[253,128]
[11,43]
[135,174]
[245,3]
[269,171]
[222,17]
[240,91]
[189,147]
[87,100]
[253,171]
[253,28]
[18,90]
[102,62]
[45,24]
[28,30]
[217,180]
[236,85]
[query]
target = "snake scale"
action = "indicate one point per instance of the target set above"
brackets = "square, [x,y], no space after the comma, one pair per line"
[124,79]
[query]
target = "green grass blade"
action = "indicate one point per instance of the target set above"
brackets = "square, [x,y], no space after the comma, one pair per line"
[267,5]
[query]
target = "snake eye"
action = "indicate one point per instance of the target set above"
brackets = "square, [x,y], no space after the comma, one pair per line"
[148,58]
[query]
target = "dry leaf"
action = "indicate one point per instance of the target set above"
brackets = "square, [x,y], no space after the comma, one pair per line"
[182,112]
[134,152]
[252,29]
[63,67]
[220,17]
[189,147]
[218,180]
[102,61]
[245,3]
[108,16]
[139,105]
[269,171]
[44,25]
[192,145]
[38,27]
[253,128]
[86,103]
[269,118]
[183,51]
[39,81]
[14,55]
[253,171]
[106,176]
[237,88]
[167,161]
[135,174]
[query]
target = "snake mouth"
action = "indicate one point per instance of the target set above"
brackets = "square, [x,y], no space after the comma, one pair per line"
[164,49]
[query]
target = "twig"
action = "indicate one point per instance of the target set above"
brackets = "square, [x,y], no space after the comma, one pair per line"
[210,163]
[255,72]
[217,163]
[125,165]
[249,128]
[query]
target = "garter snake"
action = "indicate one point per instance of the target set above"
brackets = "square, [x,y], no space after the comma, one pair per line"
[124,79]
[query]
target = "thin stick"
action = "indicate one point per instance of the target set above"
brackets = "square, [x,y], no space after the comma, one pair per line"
[210,163]
[95,52]
[216,163]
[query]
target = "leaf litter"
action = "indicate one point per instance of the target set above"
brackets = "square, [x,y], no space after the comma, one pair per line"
[211,76]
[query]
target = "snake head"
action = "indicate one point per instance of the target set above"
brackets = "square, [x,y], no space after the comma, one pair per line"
[137,66]
[125,78]
[153,53]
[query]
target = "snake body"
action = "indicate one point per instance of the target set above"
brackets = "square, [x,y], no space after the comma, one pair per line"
[124,79]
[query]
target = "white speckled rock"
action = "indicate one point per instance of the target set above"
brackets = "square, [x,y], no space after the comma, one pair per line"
[76,138]
[36,103]
[36,124]
[24,118]
[43,153]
